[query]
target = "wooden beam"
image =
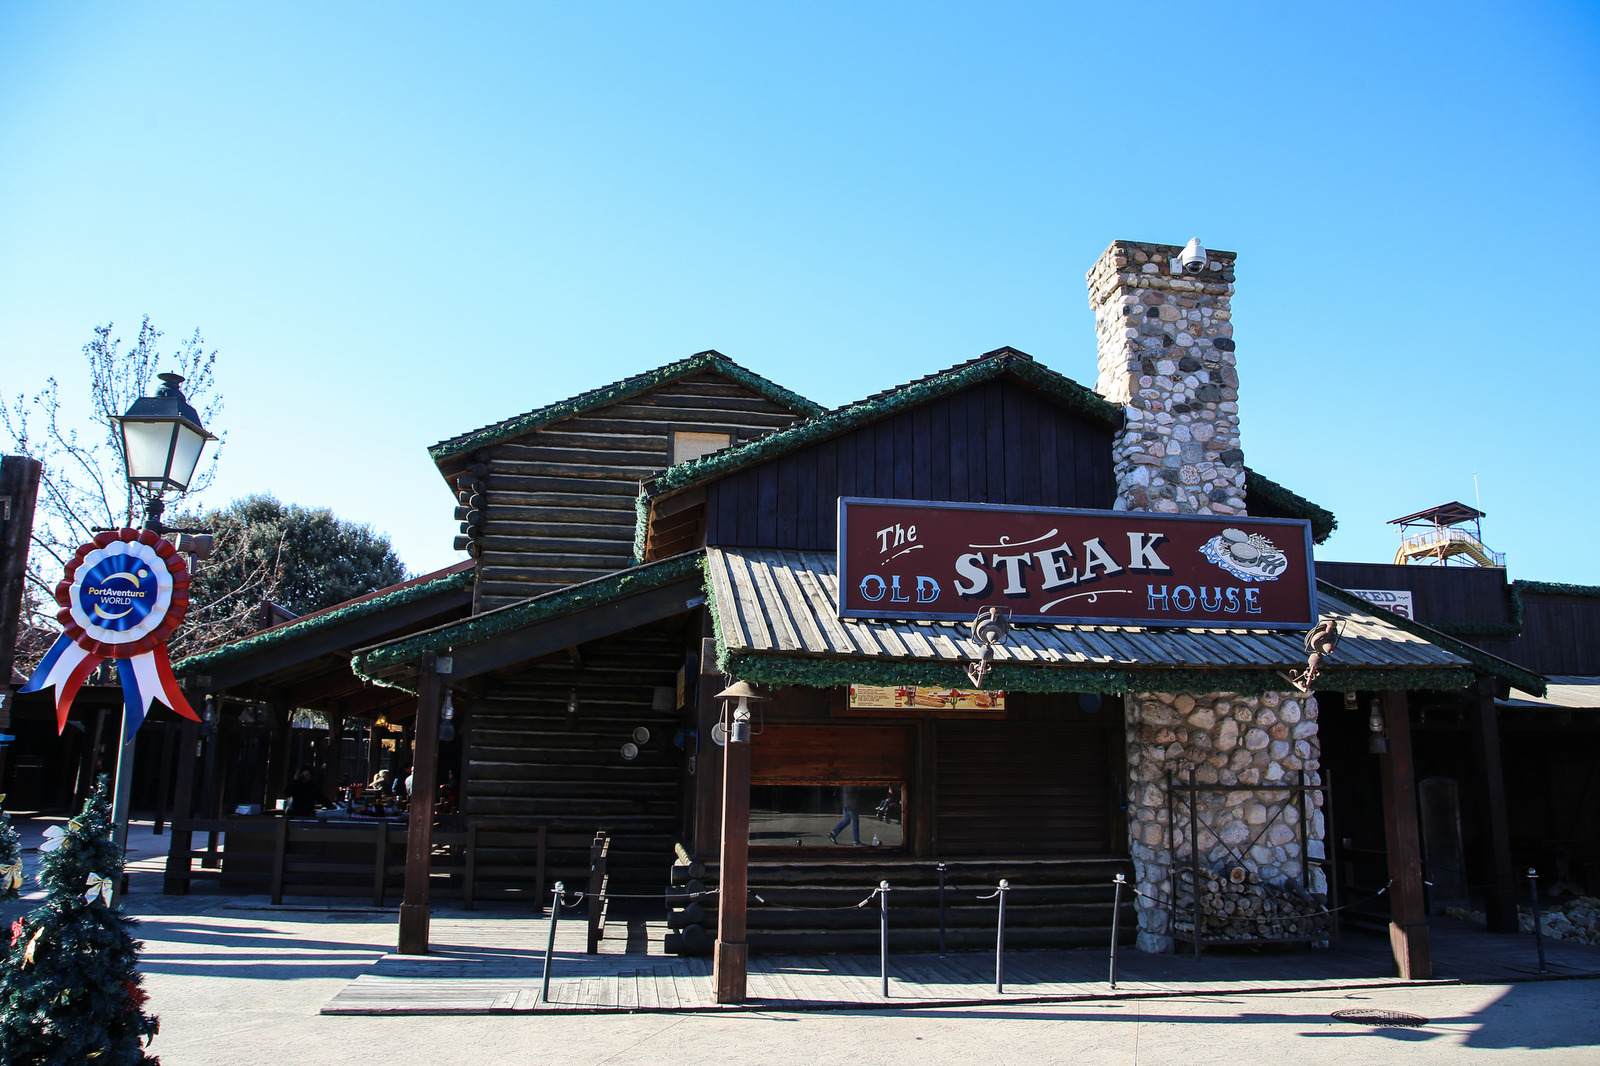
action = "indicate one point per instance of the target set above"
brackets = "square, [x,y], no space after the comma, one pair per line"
[731,954]
[1500,898]
[1408,920]
[414,909]
[578,627]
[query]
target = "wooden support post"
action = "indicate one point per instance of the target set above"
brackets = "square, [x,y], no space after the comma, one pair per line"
[374,750]
[1500,901]
[330,772]
[277,755]
[169,741]
[91,757]
[380,862]
[1408,924]
[280,851]
[19,491]
[731,955]
[181,846]
[414,910]
[708,756]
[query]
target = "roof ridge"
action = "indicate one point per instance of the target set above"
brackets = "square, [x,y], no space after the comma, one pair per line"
[882,404]
[710,359]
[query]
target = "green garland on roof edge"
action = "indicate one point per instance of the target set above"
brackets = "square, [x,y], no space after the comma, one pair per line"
[203,661]
[515,616]
[588,401]
[829,673]
[1070,393]
[1556,588]
[820,427]
[641,527]
[1517,676]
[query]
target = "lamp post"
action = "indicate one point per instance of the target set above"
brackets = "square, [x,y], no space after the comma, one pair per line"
[162,439]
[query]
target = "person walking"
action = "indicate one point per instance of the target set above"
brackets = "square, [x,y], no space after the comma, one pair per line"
[850,801]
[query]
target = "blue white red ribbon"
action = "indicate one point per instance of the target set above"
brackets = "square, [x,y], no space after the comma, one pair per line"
[124,593]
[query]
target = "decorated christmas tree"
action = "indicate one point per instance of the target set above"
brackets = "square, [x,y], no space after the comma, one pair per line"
[10,858]
[69,990]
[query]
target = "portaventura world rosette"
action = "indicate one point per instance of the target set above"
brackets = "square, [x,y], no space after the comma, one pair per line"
[124,594]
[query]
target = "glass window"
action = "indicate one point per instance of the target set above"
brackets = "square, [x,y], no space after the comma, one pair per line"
[828,815]
[687,444]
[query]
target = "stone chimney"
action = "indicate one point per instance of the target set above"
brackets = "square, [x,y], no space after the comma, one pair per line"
[1166,355]
[1165,337]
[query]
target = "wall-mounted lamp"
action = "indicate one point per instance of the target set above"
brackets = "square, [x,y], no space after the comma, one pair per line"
[572,709]
[737,729]
[447,711]
[1378,741]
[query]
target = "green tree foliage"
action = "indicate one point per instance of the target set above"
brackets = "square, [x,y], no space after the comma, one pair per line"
[302,558]
[69,985]
[10,859]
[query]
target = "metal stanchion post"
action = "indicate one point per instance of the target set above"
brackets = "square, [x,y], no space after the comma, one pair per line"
[883,934]
[1538,937]
[550,945]
[941,910]
[1116,912]
[1000,940]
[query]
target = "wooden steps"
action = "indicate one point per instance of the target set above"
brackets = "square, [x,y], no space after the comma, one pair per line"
[813,907]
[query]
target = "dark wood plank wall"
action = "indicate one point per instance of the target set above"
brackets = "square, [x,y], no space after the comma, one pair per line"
[560,500]
[532,765]
[998,442]
[1560,635]
[1441,593]
[1023,788]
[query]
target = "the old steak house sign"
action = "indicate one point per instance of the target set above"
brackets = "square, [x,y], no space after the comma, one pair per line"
[905,559]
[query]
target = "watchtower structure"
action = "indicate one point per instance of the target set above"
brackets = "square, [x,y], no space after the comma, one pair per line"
[1446,535]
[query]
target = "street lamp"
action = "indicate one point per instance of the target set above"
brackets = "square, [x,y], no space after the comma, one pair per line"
[162,439]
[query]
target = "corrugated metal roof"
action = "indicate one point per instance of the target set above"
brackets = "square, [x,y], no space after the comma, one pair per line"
[784,603]
[1566,692]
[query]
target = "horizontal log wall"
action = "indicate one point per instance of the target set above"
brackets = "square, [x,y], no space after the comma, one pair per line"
[560,500]
[999,442]
[532,764]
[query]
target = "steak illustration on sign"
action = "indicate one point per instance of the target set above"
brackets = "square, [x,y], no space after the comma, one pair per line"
[1247,556]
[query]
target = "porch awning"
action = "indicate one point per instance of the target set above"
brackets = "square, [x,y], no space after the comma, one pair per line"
[777,624]
[1566,692]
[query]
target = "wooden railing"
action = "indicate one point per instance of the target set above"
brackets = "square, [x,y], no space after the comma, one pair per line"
[284,857]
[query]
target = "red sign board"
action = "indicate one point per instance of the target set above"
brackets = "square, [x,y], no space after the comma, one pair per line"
[907,559]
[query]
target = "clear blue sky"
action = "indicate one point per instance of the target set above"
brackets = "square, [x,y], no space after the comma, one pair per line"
[400,222]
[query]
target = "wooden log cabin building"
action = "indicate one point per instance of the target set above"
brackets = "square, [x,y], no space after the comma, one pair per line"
[636,549]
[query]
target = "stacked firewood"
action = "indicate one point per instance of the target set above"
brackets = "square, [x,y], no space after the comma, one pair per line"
[1237,907]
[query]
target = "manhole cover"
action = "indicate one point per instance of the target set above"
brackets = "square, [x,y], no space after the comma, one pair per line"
[1372,1016]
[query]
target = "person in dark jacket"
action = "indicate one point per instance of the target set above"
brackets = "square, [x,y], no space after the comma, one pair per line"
[850,801]
[304,796]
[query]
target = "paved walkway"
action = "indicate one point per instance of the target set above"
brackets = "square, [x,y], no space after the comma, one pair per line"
[490,962]
[493,965]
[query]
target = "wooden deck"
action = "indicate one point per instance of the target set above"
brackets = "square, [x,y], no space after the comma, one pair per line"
[492,966]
